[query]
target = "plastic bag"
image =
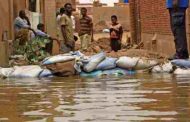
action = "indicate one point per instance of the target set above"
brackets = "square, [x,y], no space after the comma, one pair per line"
[97,73]
[127,62]
[94,61]
[108,63]
[117,72]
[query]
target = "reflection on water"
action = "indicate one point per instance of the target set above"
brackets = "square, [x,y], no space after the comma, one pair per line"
[142,98]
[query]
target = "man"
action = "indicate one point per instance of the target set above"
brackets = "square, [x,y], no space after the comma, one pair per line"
[86,29]
[61,12]
[22,27]
[66,28]
[40,32]
[177,10]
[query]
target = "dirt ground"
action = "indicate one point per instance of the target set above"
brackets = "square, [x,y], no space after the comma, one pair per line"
[101,43]
[102,40]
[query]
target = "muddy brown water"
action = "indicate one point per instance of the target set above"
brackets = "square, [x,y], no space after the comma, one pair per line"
[139,98]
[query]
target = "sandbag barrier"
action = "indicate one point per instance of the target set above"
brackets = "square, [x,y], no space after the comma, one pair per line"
[99,65]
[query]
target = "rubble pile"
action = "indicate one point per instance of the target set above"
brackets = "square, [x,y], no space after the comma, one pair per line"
[102,44]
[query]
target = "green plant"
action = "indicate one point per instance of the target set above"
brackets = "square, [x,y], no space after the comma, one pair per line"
[33,50]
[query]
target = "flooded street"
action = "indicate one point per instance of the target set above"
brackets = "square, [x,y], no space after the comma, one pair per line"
[140,98]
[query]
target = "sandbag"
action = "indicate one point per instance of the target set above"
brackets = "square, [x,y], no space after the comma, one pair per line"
[58,59]
[165,68]
[180,71]
[108,63]
[46,73]
[97,73]
[181,63]
[145,64]
[127,62]
[32,71]
[6,72]
[157,69]
[117,72]
[93,62]
[63,69]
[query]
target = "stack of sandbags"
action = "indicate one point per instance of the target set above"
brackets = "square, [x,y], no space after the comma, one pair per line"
[93,62]
[60,65]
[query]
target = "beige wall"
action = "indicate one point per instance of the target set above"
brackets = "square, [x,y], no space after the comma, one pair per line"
[102,15]
[18,5]
[61,3]
[6,17]
[50,20]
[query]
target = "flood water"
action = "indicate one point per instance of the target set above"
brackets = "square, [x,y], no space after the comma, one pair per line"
[139,98]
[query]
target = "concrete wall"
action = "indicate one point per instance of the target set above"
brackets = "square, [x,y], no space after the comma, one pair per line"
[102,15]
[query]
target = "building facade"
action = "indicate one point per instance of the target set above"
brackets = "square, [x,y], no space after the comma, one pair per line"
[150,18]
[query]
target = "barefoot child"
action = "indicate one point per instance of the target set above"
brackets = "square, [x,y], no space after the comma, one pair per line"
[116,33]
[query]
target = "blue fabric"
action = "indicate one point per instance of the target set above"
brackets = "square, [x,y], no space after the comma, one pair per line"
[181,63]
[126,1]
[40,33]
[97,73]
[182,3]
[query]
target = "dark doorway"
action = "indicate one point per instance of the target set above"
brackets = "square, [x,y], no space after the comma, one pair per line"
[32,5]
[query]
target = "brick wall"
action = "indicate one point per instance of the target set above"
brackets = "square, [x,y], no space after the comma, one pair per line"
[154,17]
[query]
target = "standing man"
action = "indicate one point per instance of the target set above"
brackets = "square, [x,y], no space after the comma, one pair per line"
[86,29]
[66,28]
[177,10]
